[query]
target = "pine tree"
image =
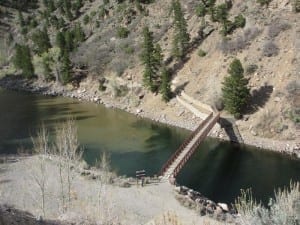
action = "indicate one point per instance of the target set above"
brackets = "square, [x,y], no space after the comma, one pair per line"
[66,68]
[147,59]
[67,9]
[23,60]
[46,61]
[79,35]
[235,90]
[181,37]
[21,19]
[77,5]
[60,41]
[165,89]
[69,41]
[41,41]
[157,65]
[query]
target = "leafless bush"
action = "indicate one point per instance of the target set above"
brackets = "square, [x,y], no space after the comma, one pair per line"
[270,49]
[39,172]
[276,27]
[293,87]
[69,153]
[168,218]
[251,33]
[240,42]
[119,65]
[6,51]
[284,208]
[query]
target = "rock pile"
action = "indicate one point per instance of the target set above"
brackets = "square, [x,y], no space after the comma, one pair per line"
[195,200]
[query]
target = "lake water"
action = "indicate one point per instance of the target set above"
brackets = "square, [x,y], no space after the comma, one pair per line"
[218,169]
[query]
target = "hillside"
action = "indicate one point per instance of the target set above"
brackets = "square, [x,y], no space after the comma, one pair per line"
[105,62]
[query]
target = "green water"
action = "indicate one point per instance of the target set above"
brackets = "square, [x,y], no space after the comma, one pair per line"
[218,169]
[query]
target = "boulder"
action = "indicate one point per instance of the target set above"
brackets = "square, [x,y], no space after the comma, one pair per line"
[125,184]
[207,30]
[223,206]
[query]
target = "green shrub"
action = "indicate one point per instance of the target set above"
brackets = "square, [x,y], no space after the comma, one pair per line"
[201,53]
[239,21]
[201,10]
[221,13]
[86,19]
[127,49]
[102,87]
[263,2]
[122,32]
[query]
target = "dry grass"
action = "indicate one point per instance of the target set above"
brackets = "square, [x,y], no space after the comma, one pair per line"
[284,208]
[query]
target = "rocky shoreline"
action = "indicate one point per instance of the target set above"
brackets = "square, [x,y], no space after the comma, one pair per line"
[195,200]
[16,83]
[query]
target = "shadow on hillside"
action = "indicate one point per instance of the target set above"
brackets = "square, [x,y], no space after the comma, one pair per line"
[259,98]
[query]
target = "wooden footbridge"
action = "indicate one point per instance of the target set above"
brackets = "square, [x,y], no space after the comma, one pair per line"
[175,163]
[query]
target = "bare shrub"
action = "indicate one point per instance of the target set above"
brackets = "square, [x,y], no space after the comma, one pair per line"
[251,32]
[240,42]
[105,206]
[6,51]
[277,27]
[168,218]
[293,87]
[39,172]
[69,155]
[119,65]
[270,49]
[250,69]
[284,208]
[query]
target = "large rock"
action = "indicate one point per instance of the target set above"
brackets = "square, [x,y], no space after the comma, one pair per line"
[207,30]
[223,206]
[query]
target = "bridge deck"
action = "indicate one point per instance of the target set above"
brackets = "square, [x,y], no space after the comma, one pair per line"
[189,146]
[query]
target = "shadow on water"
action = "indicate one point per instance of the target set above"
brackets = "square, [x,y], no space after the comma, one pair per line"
[22,113]
[220,172]
[18,116]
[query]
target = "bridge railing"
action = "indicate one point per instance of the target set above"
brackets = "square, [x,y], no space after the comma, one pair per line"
[196,144]
[184,144]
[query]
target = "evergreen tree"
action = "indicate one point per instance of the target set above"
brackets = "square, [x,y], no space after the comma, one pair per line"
[23,60]
[46,61]
[69,41]
[66,68]
[165,89]
[41,41]
[147,59]
[79,35]
[67,9]
[21,19]
[235,90]
[60,41]
[181,37]
[77,5]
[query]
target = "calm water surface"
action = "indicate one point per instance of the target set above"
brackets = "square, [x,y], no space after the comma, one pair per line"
[218,169]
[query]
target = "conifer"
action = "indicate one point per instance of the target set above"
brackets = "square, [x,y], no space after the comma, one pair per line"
[235,90]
